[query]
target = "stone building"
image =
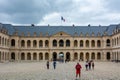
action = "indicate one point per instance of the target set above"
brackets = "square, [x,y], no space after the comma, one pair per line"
[38,43]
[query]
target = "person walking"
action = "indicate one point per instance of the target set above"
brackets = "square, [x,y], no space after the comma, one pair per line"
[93,65]
[47,64]
[86,65]
[78,70]
[89,64]
[54,64]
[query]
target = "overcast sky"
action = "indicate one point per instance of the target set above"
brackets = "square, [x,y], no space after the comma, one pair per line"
[44,12]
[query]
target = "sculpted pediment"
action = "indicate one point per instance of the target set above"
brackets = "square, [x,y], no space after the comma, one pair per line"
[61,34]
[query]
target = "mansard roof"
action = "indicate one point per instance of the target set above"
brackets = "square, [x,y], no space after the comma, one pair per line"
[51,30]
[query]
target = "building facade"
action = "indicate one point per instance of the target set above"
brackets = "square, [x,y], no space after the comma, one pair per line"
[39,43]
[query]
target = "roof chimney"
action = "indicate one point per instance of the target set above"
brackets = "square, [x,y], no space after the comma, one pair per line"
[88,25]
[73,25]
[32,25]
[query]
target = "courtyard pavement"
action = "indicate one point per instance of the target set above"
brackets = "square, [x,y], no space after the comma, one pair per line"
[63,71]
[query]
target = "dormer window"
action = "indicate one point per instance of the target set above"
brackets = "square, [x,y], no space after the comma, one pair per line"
[81,34]
[16,33]
[87,34]
[40,33]
[0,30]
[28,34]
[22,34]
[93,34]
[117,30]
[75,34]
[98,34]
[6,31]
[47,34]
[35,34]
[114,31]
[105,33]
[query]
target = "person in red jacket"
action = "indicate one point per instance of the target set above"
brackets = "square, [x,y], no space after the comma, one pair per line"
[78,70]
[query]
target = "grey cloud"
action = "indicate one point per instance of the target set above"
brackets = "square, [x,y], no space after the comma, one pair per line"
[31,11]
[113,5]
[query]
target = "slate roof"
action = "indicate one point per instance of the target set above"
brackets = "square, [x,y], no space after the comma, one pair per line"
[55,29]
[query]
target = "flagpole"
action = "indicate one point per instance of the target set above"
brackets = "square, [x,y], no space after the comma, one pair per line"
[61,20]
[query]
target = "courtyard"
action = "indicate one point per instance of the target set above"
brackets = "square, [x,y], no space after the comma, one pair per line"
[63,71]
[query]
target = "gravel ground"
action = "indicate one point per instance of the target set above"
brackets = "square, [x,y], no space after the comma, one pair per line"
[63,71]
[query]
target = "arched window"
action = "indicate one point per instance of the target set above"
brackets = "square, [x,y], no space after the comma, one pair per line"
[108,42]
[22,56]
[7,42]
[61,43]
[34,43]
[3,41]
[0,40]
[98,43]
[54,56]
[75,56]
[81,43]
[117,40]
[34,56]
[93,56]
[40,56]
[46,56]
[68,56]
[81,56]
[98,56]
[75,43]
[67,43]
[87,56]
[87,43]
[112,42]
[28,43]
[54,43]
[28,56]
[13,56]
[40,43]
[93,43]
[22,43]
[108,56]
[46,43]
[12,42]
[0,56]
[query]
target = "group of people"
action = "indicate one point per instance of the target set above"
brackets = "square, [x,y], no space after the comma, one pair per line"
[89,65]
[54,64]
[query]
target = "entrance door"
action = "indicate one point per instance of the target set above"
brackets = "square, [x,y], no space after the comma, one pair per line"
[68,56]
[61,56]
[87,56]
[13,56]
[108,56]
[54,56]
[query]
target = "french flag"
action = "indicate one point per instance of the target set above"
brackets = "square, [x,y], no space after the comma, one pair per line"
[62,19]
